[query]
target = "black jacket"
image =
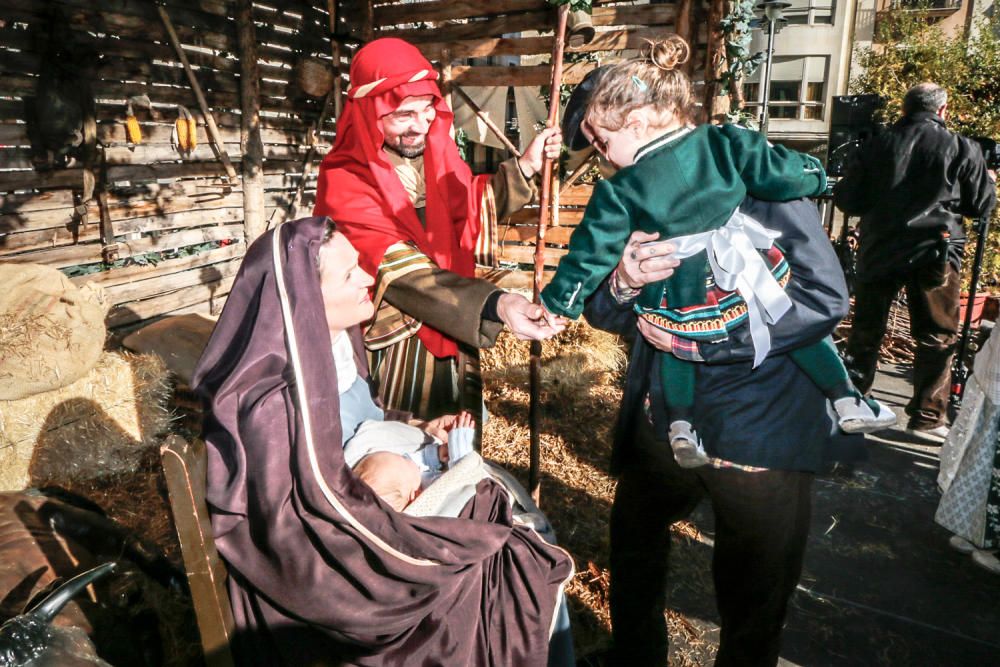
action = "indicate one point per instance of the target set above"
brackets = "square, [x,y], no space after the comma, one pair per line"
[773,416]
[908,185]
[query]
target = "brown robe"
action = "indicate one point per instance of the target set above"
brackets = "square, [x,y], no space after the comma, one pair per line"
[321,570]
[407,375]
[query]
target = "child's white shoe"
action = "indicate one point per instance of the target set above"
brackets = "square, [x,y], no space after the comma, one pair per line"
[688,451]
[857,415]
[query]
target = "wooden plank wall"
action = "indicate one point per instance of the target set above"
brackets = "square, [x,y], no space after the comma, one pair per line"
[158,201]
[182,208]
[451,33]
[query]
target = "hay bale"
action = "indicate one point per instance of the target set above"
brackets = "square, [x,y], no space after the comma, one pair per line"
[573,362]
[96,426]
[51,331]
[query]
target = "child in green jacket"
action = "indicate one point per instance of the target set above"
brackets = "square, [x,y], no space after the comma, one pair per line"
[686,184]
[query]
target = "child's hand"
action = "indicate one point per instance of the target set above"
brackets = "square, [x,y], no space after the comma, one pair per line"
[555,322]
[464,420]
[461,420]
[441,426]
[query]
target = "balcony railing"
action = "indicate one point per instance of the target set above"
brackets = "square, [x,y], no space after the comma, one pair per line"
[934,6]
[936,10]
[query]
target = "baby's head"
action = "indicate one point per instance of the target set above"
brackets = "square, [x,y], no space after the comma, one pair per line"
[394,478]
[638,99]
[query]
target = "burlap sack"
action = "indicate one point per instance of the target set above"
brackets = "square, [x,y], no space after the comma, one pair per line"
[178,340]
[51,331]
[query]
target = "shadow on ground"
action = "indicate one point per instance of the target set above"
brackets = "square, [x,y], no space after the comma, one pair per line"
[880,585]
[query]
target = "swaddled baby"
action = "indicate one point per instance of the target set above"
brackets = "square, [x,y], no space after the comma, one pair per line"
[398,460]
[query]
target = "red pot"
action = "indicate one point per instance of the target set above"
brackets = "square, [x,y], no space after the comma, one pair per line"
[977,308]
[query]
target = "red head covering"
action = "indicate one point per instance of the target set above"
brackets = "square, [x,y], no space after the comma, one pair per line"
[358,186]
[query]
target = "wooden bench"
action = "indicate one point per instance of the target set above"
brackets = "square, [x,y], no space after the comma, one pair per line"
[184,469]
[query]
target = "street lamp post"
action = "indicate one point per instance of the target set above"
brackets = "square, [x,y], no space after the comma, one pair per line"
[773,10]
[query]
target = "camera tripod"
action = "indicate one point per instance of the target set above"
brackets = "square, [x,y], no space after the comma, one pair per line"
[959,368]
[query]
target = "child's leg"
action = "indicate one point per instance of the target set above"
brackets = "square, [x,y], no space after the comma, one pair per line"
[857,414]
[822,363]
[677,378]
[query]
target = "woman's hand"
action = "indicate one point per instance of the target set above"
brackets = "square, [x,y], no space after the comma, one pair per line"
[546,144]
[641,265]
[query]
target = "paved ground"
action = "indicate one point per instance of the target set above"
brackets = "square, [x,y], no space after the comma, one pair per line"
[880,586]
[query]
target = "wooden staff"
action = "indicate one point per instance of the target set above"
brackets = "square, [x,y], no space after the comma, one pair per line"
[543,220]
[584,167]
[490,125]
[213,131]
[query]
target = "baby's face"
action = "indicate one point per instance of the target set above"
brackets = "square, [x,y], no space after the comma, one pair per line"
[396,479]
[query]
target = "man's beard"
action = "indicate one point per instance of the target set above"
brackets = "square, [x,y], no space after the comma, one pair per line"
[409,152]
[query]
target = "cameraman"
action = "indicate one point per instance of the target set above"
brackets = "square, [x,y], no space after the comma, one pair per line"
[911,186]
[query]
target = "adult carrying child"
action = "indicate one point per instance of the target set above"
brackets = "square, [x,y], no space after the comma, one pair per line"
[685,183]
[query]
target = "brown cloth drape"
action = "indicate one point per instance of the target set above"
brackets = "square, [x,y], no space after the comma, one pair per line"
[321,570]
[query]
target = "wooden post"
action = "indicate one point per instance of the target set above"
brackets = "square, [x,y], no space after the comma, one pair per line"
[338,86]
[251,145]
[446,78]
[682,25]
[368,21]
[715,59]
[213,131]
[545,201]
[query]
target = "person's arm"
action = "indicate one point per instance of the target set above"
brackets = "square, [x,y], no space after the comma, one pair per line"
[450,303]
[610,307]
[513,187]
[770,172]
[979,189]
[595,248]
[817,288]
[512,190]
[470,310]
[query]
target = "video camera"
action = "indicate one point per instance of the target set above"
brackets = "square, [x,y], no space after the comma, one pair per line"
[991,151]
[852,122]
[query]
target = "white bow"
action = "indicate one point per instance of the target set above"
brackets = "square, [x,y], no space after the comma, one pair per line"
[737,266]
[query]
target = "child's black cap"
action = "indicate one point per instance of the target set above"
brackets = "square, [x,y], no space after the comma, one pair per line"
[577,106]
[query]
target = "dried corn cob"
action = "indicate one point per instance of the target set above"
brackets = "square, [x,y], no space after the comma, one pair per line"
[192,133]
[182,135]
[186,130]
[132,131]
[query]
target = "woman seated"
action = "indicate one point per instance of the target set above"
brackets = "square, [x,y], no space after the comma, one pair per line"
[322,571]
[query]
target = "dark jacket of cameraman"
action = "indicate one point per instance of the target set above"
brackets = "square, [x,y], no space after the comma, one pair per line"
[909,185]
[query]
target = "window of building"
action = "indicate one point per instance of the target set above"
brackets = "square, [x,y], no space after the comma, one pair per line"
[798,88]
[810,12]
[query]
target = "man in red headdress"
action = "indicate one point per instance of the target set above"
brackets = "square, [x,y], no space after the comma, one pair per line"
[398,189]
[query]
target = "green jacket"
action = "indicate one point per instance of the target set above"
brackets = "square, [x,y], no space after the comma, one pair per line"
[686,182]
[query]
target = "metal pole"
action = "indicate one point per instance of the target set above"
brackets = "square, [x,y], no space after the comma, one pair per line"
[767,77]
[960,371]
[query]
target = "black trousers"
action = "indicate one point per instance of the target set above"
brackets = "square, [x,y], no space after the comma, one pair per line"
[761,526]
[934,325]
